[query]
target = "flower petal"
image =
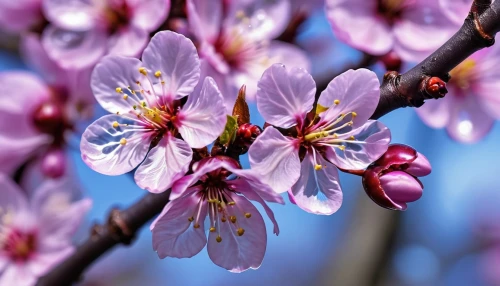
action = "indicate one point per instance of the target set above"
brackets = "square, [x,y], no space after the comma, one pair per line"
[356,91]
[288,55]
[149,15]
[239,253]
[74,15]
[371,141]
[285,96]
[129,41]
[203,117]
[101,148]
[436,113]
[173,233]
[455,10]
[181,186]
[317,191]
[13,198]
[20,16]
[176,57]
[165,163]
[205,19]
[276,158]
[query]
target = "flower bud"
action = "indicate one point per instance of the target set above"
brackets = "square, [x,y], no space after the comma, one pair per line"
[54,163]
[49,118]
[245,135]
[391,61]
[392,182]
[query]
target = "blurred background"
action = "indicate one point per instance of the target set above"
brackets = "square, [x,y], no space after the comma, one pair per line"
[448,237]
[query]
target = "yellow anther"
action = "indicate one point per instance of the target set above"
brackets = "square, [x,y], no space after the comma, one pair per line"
[223,219]
[232,219]
[196,225]
[218,238]
[318,167]
[119,90]
[116,124]
[212,229]
[162,82]
[352,138]
[336,102]
[342,147]
[190,219]
[335,136]
[350,123]
[123,141]
[143,71]
[143,104]
[157,73]
[354,114]
[248,215]
[240,231]
[134,107]
[240,14]
[125,96]
[231,203]
[118,112]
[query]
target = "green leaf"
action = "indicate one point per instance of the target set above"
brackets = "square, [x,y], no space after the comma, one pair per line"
[229,132]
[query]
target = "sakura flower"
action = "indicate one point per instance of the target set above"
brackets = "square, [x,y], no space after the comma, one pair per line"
[471,106]
[303,155]
[36,234]
[219,189]
[82,31]
[235,37]
[413,29]
[148,111]
[456,10]
[21,15]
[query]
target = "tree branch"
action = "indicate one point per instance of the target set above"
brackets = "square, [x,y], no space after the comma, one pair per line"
[406,90]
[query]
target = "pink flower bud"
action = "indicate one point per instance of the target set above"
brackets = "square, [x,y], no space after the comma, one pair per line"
[49,118]
[54,163]
[401,187]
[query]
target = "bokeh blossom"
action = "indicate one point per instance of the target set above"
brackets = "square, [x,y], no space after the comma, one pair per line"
[456,10]
[220,189]
[303,155]
[36,233]
[20,15]
[236,38]
[413,29]
[83,31]
[148,109]
[471,106]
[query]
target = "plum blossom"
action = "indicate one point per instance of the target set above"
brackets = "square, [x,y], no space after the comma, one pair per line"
[21,15]
[303,155]
[413,29]
[236,38]
[36,234]
[456,10]
[82,31]
[220,189]
[148,111]
[471,106]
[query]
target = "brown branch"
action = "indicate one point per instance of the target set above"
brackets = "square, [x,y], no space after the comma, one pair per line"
[409,89]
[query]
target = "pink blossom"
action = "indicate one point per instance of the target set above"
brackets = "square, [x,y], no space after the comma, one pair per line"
[36,234]
[20,15]
[219,189]
[472,105]
[83,31]
[147,112]
[411,28]
[456,10]
[236,38]
[304,157]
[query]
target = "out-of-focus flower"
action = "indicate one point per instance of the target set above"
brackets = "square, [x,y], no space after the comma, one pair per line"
[456,10]
[471,106]
[82,31]
[235,37]
[411,28]
[146,99]
[220,189]
[392,181]
[36,234]
[20,15]
[305,154]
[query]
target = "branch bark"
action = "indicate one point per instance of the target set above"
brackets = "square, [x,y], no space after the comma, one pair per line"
[397,91]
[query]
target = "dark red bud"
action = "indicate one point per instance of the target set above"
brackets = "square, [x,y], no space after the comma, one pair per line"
[54,163]
[391,61]
[48,118]
[246,135]
[435,88]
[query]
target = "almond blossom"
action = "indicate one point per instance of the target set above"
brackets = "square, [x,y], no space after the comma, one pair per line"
[219,189]
[20,15]
[302,156]
[36,234]
[413,29]
[82,31]
[149,111]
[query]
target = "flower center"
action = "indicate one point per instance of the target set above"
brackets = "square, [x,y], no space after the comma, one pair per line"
[117,15]
[19,245]
[462,75]
[390,9]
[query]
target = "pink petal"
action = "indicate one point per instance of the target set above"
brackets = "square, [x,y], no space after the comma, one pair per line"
[203,117]
[288,55]
[17,274]
[486,83]
[205,19]
[46,260]
[371,141]
[173,234]
[165,163]
[21,15]
[101,148]
[129,41]
[254,180]
[12,196]
[181,186]
[150,14]
[74,15]
[72,49]
[357,91]
[179,64]
[285,96]
[276,158]
[456,10]
[317,192]
[239,253]
[436,113]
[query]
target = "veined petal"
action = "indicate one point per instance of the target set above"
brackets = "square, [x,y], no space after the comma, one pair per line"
[239,253]
[205,19]
[353,91]
[75,15]
[115,151]
[317,191]
[129,41]
[256,184]
[173,234]
[176,57]
[181,186]
[165,163]
[285,96]
[288,55]
[276,158]
[370,142]
[150,14]
[203,117]
[13,198]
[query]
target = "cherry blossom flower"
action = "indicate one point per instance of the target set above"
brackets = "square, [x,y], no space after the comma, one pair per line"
[148,111]
[303,157]
[219,189]
[235,37]
[456,10]
[36,234]
[21,15]
[82,31]
[471,106]
[411,28]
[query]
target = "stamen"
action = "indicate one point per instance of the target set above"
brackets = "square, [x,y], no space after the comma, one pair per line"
[318,167]
[125,96]
[143,71]
[196,225]
[248,215]
[123,141]
[190,219]
[218,238]
[119,90]
[116,124]
[352,138]
[342,147]
[232,219]
[212,229]
[231,203]
[157,74]
[336,102]
[240,231]
[223,219]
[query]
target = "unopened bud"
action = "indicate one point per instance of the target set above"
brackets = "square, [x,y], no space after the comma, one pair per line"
[246,135]
[48,117]
[435,88]
[391,61]
[54,163]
